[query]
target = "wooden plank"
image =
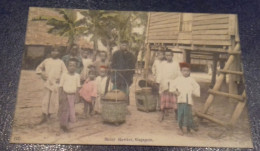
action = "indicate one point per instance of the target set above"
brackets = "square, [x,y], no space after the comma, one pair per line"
[164,26]
[212,16]
[211,21]
[204,49]
[172,21]
[184,41]
[234,53]
[185,35]
[162,41]
[210,32]
[153,14]
[207,27]
[165,33]
[211,42]
[232,25]
[210,118]
[165,14]
[211,37]
[230,72]
[169,29]
[156,19]
[234,96]
[201,14]
[162,37]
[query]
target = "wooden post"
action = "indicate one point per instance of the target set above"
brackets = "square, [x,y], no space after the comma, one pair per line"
[148,50]
[232,86]
[186,56]
[239,109]
[214,69]
[147,61]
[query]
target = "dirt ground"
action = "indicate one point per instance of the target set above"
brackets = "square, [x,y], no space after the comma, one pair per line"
[140,128]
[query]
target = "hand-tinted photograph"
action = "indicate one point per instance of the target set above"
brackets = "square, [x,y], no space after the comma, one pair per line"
[105,77]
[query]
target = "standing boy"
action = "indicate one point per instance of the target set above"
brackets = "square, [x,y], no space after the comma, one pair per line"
[103,85]
[184,87]
[157,71]
[170,71]
[51,70]
[69,86]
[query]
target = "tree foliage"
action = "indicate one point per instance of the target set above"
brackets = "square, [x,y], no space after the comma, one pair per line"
[109,27]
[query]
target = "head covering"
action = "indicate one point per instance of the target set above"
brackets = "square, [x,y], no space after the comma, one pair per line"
[103,67]
[184,65]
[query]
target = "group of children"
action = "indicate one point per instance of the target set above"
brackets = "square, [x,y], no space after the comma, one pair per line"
[72,79]
[176,89]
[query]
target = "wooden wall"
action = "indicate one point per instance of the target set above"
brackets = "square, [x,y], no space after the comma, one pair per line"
[163,27]
[205,29]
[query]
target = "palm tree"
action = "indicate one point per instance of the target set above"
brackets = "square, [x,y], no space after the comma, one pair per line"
[68,25]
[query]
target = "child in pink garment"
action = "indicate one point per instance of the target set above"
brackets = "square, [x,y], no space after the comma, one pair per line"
[89,93]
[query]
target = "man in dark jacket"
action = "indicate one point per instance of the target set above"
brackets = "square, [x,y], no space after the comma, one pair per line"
[123,65]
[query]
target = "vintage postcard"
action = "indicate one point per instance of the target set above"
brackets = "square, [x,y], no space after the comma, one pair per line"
[131,78]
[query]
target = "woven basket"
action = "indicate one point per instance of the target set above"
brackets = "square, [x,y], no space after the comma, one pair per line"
[114,112]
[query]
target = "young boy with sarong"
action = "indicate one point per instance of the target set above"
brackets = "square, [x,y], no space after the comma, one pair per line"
[89,93]
[185,87]
[103,85]
[170,71]
[69,86]
[50,71]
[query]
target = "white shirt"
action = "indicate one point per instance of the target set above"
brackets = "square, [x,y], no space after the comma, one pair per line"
[70,83]
[170,71]
[187,87]
[157,69]
[53,68]
[101,85]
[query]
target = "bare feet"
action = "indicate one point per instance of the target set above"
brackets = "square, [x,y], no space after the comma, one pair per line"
[180,132]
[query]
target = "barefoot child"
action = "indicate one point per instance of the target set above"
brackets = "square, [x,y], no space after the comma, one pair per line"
[157,71]
[89,93]
[50,71]
[69,86]
[184,87]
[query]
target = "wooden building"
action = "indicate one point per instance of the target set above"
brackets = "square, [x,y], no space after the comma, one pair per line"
[204,39]
[201,38]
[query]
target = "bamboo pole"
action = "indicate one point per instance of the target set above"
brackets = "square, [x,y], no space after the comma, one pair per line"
[211,119]
[231,72]
[239,109]
[234,96]
[219,80]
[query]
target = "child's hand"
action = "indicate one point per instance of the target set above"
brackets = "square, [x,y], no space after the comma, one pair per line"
[177,93]
[44,76]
